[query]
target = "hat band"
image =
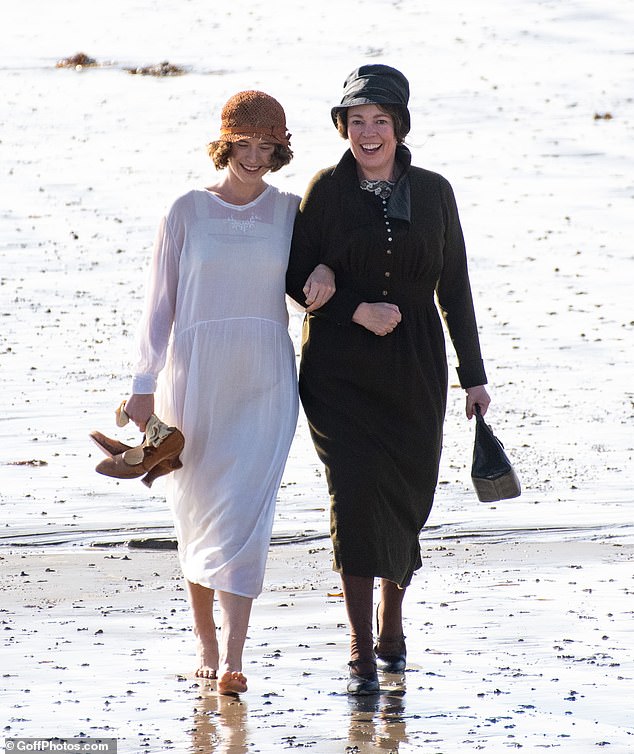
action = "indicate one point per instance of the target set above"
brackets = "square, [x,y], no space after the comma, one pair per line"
[376,93]
[280,135]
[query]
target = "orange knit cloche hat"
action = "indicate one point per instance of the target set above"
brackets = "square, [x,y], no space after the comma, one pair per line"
[253,113]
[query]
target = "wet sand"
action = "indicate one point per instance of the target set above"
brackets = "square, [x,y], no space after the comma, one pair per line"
[512,645]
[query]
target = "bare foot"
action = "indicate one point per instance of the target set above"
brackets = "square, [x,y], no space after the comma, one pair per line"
[206,672]
[232,682]
[207,659]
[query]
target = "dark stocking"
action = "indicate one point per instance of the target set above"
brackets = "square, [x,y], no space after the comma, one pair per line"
[357,593]
[390,618]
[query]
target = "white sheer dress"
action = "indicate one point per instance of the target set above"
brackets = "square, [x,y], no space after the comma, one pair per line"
[214,344]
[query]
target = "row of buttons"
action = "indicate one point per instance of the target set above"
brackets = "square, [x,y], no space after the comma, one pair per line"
[389,238]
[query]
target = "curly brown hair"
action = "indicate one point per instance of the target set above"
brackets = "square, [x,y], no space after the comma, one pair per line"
[400,130]
[219,151]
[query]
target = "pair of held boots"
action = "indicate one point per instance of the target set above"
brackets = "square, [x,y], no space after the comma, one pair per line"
[158,453]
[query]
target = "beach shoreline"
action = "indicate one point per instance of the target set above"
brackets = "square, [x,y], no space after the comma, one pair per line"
[511,643]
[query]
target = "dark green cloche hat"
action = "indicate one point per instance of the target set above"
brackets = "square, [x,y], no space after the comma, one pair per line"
[375,84]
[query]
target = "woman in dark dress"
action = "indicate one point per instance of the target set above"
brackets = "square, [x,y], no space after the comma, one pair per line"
[373,376]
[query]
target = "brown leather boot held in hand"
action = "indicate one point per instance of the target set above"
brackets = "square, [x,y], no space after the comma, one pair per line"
[161,446]
[113,447]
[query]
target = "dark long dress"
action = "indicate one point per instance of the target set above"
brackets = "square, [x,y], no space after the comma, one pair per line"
[376,405]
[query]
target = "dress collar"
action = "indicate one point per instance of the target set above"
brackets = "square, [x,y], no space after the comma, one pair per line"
[399,202]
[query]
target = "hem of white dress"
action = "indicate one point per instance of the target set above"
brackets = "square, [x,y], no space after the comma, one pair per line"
[221,589]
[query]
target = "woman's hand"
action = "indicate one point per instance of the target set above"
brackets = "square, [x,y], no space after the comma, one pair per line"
[319,287]
[378,318]
[139,407]
[479,395]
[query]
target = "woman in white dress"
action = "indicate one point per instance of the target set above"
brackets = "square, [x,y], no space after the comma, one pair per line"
[214,346]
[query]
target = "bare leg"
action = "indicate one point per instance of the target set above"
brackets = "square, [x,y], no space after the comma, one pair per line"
[236,611]
[202,599]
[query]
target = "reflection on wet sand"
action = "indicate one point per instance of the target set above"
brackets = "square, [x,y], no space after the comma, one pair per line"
[219,724]
[377,722]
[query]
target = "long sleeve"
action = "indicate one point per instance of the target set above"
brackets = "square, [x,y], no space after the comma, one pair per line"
[158,315]
[312,241]
[454,297]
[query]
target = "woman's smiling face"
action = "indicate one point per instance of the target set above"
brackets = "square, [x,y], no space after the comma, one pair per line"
[372,141]
[250,159]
